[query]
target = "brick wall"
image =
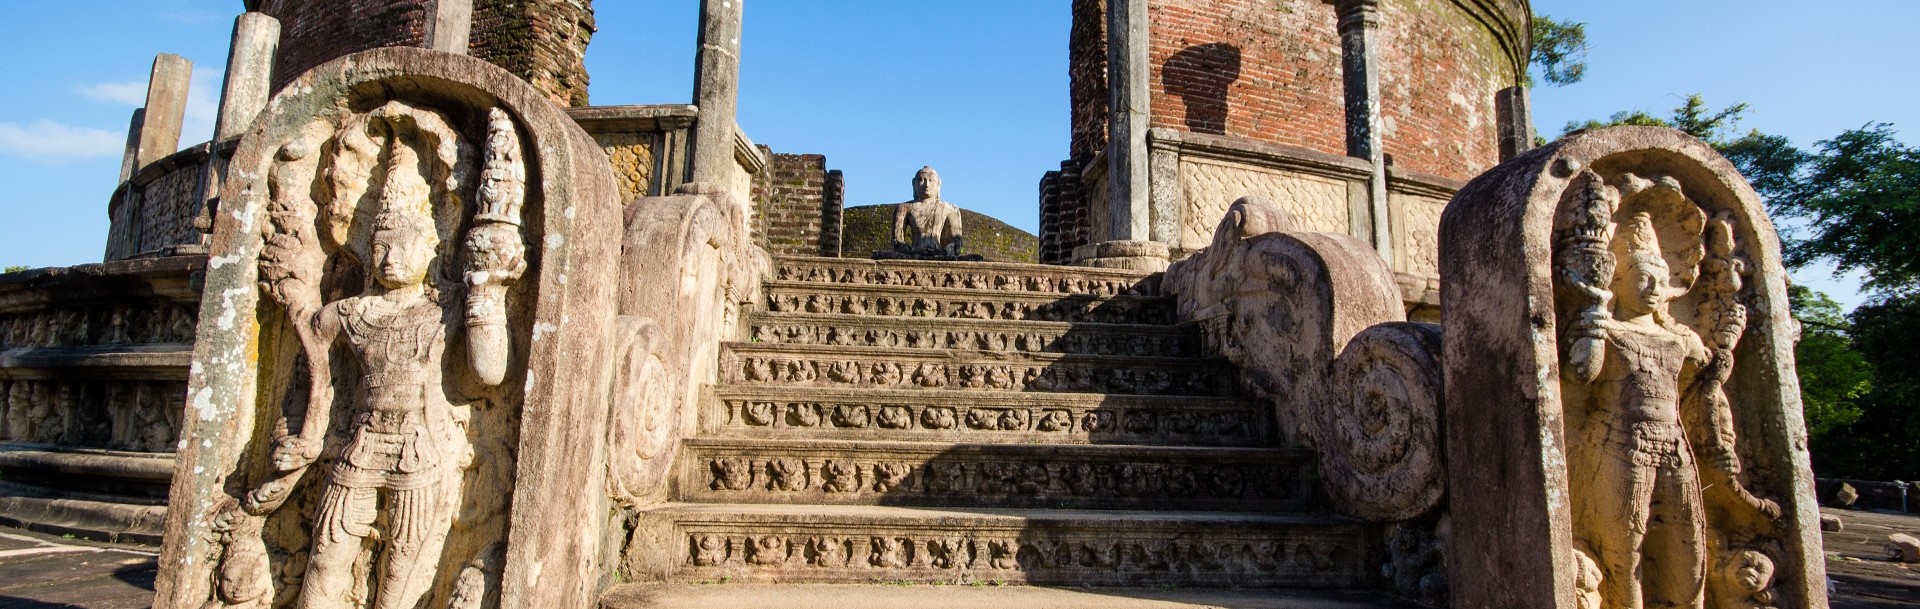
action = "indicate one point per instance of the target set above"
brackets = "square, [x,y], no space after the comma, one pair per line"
[542,41]
[311,33]
[1269,70]
[799,203]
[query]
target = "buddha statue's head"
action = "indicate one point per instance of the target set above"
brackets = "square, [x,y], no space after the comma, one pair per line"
[926,185]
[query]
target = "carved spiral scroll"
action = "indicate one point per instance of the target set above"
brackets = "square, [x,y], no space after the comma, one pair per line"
[645,413]
[1379,437]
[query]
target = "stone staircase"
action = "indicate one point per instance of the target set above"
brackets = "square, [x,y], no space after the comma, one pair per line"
[919,423]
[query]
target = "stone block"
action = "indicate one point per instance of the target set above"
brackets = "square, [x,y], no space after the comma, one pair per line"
[1832,524]
[1616,318]
[480,226]
[1903,548]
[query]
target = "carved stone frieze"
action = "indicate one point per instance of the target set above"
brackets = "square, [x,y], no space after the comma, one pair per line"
[1047,555]
[911,416]
[889,370]
[988,276]
[158,322]
[997,336]
[1006,475]
[139,416]
[789,298]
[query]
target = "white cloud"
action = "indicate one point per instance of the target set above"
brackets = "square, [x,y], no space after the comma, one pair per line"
[50,141]
[203,101]
[131,94]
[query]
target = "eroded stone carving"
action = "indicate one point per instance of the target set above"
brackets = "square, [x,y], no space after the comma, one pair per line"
[1645,390]
[376,341]
[927,227]
[1075,282]
[1618,348]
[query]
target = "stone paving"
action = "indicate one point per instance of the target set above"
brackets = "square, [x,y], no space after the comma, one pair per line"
[46,572]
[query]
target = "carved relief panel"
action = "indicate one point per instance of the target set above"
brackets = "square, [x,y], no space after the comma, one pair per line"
[392,255]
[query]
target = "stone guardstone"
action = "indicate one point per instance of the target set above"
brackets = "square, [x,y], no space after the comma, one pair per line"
[398,398]
[1623,423]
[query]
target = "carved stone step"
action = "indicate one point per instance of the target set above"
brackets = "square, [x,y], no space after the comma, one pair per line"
[905,301]
[90,515]
[974,334]
[995,276]
[888,368]
[984,417]
[854,544]
[978,594]
[739,470]
[119,473]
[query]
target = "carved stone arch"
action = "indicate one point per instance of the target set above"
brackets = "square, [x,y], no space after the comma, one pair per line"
[1509,443]
[543,415]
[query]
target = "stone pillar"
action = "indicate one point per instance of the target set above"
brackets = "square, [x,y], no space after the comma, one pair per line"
[452,22]
[166,108]
[716,89]
[1514,111]
[256,37]
[130,162]
[1130,102]
[1359,39]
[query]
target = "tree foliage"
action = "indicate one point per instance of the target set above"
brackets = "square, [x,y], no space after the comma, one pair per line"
[1559,50]
[1833,376]
[1859,195]
[1881,443]
[14,268]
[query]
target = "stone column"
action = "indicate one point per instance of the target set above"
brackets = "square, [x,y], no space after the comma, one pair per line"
[1130,103]
[452,23]
[1359,40]
[716,89]
[166,108]
[256,37]
[1514,111]
[130,162]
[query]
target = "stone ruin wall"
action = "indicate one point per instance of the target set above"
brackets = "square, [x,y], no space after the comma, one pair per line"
[542,41]
[798,202]
[155,210]
[1262,81]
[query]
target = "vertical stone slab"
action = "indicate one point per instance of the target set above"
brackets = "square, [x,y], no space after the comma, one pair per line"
[1128,212]
[166,108]
[1514,111]
[452,24]
[1166,198]
[130,160]
[1360,64]
[466,221]
[716,90]
[256,36]
[1619,358]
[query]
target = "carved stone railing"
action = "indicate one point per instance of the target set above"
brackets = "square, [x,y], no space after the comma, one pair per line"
[93,367]
[1315,324]
[692,267]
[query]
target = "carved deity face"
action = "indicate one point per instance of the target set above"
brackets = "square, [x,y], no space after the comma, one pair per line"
[926,185]
[1750,571]
[401,254]
[1642,287]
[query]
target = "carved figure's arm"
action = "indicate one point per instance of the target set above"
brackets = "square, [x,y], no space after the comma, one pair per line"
[900,224]
[318,330]
[957,234]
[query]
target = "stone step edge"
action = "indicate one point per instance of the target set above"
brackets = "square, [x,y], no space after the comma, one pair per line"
[870,448]
[1002,399]
[965,356]
[157,467]
[809,515]
[977,594]
[787,285]
[1183,328]
[782,262]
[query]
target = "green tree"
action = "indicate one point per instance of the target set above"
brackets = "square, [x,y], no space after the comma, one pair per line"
[15,268]
[1559,50]
[1859,197]
[1833,376]
[1693,117]
[1882,443]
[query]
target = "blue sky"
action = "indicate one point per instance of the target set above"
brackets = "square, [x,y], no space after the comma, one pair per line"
[975,88]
